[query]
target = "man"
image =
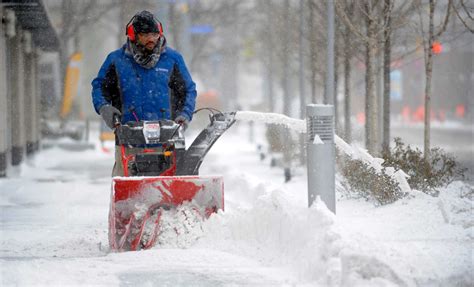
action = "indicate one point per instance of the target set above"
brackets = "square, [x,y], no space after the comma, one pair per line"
[143,80]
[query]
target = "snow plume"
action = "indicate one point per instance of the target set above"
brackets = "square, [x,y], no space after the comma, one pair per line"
[272,118]
[180,227]
[352,151]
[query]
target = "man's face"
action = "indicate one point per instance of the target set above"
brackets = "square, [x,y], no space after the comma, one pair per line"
[148,40]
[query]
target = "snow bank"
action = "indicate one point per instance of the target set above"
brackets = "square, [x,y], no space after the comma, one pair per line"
[273,226]
[352,151]
[358,153]
[456,202]
[279,234]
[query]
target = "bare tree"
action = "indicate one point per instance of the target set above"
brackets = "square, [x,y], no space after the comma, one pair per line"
[429,37]
[76,14]
[381,19]
[222,15]
[370,11]
[318,45]
[348,55]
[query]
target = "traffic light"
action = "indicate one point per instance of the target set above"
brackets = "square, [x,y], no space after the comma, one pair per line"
[437,48]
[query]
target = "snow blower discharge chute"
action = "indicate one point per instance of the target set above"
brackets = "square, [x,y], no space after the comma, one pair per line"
[161,176]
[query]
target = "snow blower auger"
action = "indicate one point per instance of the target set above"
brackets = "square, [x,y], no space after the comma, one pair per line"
[162,176]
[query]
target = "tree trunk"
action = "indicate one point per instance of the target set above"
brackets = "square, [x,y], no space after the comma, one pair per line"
[386,77]
[336,79]
[366,104]
[428,72]
[270,56]
[285,133]
[347,87]
[285,62]
[370,95]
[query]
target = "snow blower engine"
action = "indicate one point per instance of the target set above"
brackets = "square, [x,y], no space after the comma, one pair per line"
[160,176]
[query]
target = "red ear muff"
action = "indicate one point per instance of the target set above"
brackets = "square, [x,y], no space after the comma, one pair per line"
[131,32]
[160,27]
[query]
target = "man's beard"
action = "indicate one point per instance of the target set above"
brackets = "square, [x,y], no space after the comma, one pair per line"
[144,49]
[145,57]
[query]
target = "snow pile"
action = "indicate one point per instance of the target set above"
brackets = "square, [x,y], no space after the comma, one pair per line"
[274,226]
[352,151]
[456,202]
[401,244]
[358,153]
[279,234]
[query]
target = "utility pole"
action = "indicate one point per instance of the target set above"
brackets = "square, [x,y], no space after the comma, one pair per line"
[301,80]
[185,32]
[301,59]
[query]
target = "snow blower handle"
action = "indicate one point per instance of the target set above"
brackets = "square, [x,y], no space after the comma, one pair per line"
[117,122]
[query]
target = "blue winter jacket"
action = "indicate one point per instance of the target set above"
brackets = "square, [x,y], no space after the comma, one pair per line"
[163,92]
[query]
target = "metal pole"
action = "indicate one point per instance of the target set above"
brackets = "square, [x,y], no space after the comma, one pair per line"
[329,91]
[301,53]
[321,155]
[301,80]
[186,48]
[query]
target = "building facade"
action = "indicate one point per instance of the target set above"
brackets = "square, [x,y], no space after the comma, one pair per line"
[25,33]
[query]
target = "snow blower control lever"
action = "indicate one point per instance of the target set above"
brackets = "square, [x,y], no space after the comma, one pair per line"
[116,120]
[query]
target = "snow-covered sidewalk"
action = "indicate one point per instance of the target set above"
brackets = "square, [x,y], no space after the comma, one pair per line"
[53,230]
[417,241]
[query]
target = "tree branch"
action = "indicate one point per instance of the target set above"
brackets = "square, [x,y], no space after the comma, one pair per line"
[446,20]
[466,10]
[342,14]
[462,20]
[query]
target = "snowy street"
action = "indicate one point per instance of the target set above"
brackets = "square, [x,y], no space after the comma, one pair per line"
[54,230]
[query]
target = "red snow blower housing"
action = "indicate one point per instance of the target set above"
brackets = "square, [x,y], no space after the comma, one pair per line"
[161,176]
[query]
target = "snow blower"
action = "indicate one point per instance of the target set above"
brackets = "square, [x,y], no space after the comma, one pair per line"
[161,176]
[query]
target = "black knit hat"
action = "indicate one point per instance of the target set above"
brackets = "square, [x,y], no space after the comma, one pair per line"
[145,22]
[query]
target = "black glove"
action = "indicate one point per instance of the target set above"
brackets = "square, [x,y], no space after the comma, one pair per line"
[183,121]
[108,113]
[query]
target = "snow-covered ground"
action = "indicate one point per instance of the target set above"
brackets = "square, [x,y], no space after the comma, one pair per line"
[53,230]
